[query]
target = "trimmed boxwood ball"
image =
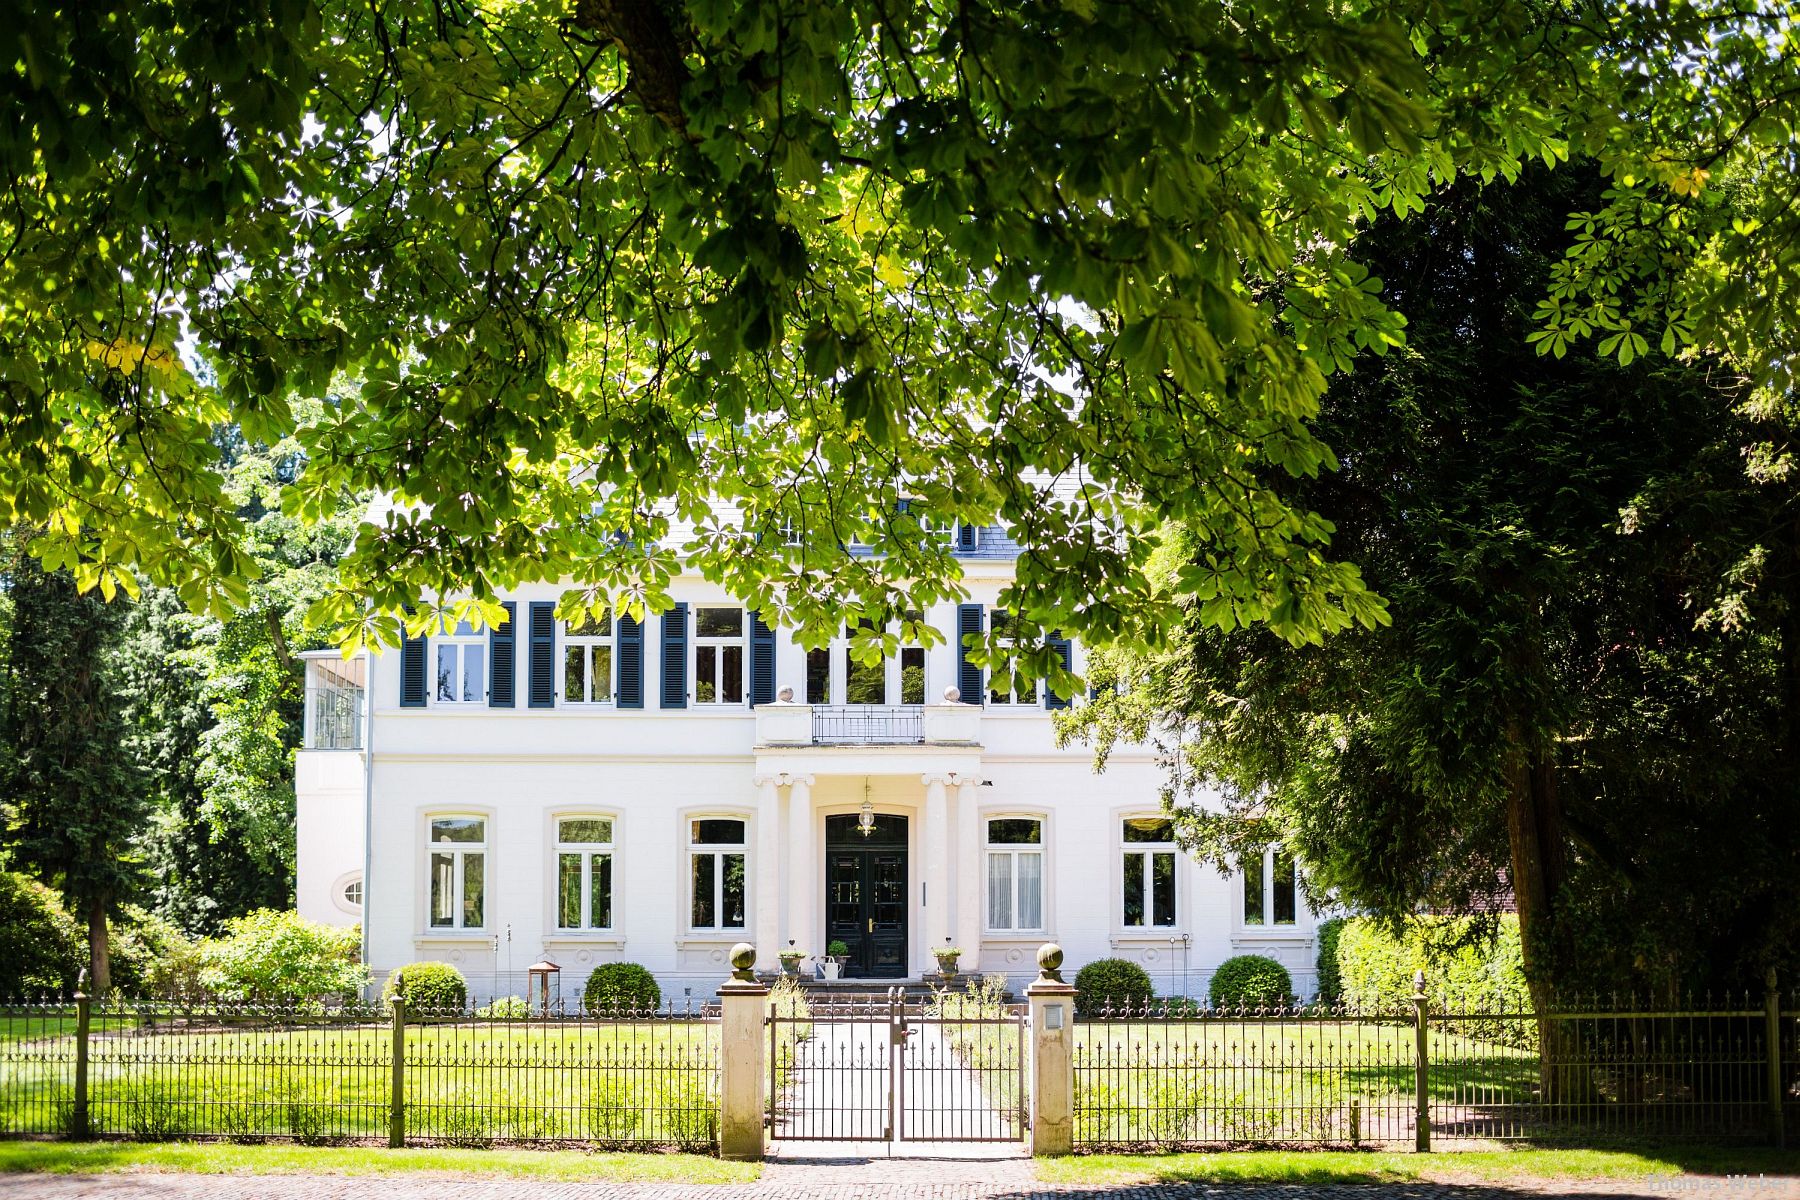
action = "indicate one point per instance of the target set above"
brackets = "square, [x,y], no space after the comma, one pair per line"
[621,987]
[428,987]
[1251,981]
[1115,981]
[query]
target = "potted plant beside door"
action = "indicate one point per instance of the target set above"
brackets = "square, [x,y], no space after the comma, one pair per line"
[790,961]
[946,960]
[835,954]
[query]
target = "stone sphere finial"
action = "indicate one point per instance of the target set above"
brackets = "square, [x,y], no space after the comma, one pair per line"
[743,959]
[785,695]
[1050,961]
[953,695]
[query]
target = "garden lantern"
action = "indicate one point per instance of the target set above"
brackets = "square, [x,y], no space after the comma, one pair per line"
[540,978]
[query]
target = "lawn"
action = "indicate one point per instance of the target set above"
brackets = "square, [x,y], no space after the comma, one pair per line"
[1278,1081]
[466,1084]
[1327,1166]
[223,1158]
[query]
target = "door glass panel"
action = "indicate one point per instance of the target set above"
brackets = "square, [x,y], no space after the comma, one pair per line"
[889,891]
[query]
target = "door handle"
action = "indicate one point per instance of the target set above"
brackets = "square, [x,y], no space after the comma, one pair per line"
[871,924]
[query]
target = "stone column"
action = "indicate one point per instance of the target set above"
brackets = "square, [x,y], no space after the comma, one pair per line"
[767,872]
[1052,1006]
[968,874]
[802,869]
[934,846]
[744,1003]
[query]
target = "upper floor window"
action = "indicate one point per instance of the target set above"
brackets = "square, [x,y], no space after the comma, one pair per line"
[864,683]
[1015,857]
[462,666]
[458,872]
[1148,853]
[818,676]
[1271,888]
[587,660]
[719,656]
[584,873]
[716,876]
[1007,688]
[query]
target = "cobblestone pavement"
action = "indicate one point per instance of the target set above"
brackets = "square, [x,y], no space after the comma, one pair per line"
[850,1178]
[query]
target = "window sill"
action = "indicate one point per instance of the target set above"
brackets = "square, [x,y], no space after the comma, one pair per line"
[704,937]
[1161,933]
[579,937]
[1016,935]
[444,936]
[1283,933]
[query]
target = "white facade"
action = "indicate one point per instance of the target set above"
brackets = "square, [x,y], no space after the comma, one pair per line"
[630,784]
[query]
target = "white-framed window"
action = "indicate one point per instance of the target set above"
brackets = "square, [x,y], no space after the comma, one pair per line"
[347,892]
[864,683]
[1005,688]
[718,883]
[461,666]
[1015,873]
[588,659]
[1147,854]
[718,655]
[1271,888]
[584,872]
[457,869]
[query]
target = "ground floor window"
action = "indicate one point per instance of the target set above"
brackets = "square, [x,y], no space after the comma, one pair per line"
[1148,856]
[1015,858]
[716,857]
[1271,888]
[584,873]
[458,872]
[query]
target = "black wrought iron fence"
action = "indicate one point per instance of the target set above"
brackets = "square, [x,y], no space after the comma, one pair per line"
[360,1072]
[868,725]
[1175,1074]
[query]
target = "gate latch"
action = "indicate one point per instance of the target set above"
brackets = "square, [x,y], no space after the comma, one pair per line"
[898,1032]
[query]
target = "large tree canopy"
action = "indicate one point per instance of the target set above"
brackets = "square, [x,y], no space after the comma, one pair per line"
[807,257]
[1590,690]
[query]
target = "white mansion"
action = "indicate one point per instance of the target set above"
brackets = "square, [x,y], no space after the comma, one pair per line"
[657,791]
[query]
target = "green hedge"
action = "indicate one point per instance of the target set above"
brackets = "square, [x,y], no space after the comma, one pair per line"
[1250,981]
[428,987]
[621,988]
[1331,980]
[1377,971]
[1118,983]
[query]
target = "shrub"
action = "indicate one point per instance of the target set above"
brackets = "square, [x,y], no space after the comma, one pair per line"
[1115,981]
[1377,967]
[507,1008]
[281,958]
[621,987]
[428,987]
[1250,981]
[153,957]
[1331,983]
[42,949]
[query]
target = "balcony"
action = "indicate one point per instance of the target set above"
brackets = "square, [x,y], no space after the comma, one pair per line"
[790,724]
[334,702]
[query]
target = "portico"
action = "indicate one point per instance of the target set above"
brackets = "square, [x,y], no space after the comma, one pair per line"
[919,802]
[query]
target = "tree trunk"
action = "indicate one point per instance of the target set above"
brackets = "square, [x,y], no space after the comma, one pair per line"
[99,952]
[1534,827]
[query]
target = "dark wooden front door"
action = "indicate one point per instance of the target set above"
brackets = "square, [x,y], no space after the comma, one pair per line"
[866,895]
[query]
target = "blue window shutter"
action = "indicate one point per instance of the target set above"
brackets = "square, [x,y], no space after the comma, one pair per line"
[412,672]
[628,632]
[503,658]
[540,683]
[674,657]
[965,537]
[968,675]
[762,661]
[1065,650]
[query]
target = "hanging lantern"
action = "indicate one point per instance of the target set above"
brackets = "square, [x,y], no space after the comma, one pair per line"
[865,819]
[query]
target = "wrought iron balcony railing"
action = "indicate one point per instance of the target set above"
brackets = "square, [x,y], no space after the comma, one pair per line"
[868,725]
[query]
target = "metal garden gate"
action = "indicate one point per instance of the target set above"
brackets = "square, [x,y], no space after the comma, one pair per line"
[874,1069]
